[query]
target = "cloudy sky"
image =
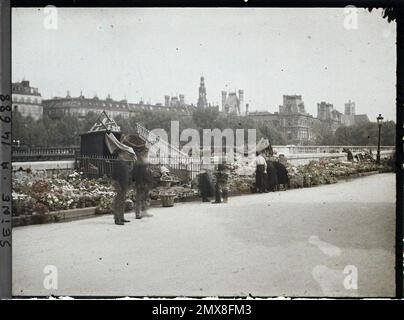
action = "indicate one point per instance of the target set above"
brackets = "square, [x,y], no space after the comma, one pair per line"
[147,53]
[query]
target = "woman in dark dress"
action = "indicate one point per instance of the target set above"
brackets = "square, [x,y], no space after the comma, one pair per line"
[272,176]
[282,174]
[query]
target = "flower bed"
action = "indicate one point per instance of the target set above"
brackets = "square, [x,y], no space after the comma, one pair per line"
[181,192]
[326,172]
[38,195]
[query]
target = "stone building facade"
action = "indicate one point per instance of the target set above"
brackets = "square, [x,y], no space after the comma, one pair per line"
[26,100]
[80,106]
[296,125]
[233,103]
[292,120]
[328,114]
[174,101]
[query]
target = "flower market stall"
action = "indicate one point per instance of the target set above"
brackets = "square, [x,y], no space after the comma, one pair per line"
[37,194]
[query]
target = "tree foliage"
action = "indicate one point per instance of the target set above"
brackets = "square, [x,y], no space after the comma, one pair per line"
[322,134]
[48,132]
[365,134]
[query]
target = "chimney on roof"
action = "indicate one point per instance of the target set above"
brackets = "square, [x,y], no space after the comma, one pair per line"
[166,100]
[224,97]
[241,101]
[182,99]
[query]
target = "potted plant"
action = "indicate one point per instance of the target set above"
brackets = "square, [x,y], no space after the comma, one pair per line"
[167,199]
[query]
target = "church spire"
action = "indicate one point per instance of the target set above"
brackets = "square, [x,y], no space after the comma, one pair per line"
[202,102]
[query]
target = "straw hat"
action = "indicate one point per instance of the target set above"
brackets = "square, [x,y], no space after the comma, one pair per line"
[134,141]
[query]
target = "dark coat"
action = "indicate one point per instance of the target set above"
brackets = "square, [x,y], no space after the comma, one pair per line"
[141,175]
[121,172]
[206,187]
[260,178]
[281,173]
[272,176]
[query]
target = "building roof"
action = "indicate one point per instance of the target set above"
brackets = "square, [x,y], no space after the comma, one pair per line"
[359,118]
[258,113]
[232,102]
[23,87]
[108,104]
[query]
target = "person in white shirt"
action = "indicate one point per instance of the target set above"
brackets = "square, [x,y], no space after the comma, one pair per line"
[261,167]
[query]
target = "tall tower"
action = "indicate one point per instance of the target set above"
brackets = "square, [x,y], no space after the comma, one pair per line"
[224,98]
[167,101]
[182,99]
[350,108]
[241,101]
[202,102]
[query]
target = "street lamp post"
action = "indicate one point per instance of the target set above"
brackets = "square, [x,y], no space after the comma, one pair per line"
[379,124]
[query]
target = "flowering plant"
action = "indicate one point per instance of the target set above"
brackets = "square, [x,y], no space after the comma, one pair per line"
[32,193]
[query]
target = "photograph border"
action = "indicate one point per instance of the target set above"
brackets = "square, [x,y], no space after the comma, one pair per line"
[5,255]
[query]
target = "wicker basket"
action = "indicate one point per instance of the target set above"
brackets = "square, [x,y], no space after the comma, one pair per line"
[167,200]
[165,183]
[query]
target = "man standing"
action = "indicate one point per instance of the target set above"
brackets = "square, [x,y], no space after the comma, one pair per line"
[122,168]
[205,179]
[221,190]
[261,167]
[142,183]
[121,172]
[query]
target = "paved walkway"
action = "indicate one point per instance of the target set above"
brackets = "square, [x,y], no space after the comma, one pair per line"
[295,243]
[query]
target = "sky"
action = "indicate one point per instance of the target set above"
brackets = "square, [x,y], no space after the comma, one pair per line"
[146,53]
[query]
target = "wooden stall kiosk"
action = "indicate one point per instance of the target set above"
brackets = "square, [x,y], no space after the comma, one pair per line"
[94,158]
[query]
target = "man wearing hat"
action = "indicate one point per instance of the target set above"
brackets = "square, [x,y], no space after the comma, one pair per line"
[142,183]
[121,175]
[141,177]
[222,176]
[126,150]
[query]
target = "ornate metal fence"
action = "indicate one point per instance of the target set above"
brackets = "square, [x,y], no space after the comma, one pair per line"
[20,154]
[94,166]
[99,166]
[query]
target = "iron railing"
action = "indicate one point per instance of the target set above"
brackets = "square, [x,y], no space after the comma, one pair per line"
[99,166]
[43,153]
[20,154]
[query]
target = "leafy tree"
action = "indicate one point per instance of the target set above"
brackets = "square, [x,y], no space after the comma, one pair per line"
[343,136]
[273,135]
[365,134]
[322,134]
[205,118]
[388,134]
